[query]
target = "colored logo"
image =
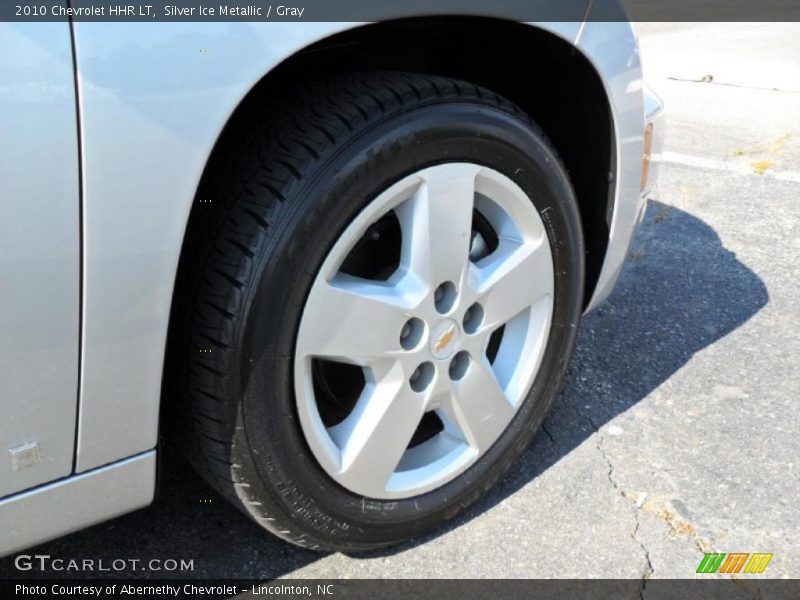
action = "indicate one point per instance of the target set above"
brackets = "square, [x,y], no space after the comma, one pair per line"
[733,562]
[444,338]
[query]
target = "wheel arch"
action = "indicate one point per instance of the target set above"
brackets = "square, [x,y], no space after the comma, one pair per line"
[574,111]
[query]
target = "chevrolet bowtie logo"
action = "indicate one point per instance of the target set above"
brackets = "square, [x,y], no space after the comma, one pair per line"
[444,339]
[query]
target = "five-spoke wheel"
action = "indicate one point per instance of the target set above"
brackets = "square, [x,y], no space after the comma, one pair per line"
[448,341]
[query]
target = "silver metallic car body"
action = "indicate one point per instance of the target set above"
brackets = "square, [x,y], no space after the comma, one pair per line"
[151,102]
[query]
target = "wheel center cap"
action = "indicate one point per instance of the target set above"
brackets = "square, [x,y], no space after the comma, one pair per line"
[445,338]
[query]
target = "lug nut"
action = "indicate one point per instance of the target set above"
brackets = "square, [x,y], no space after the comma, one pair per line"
[473,318]
[444,296]
[459,365]
[411,333]
[422,377]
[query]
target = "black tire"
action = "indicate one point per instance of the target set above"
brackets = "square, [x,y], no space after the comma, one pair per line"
[281,185]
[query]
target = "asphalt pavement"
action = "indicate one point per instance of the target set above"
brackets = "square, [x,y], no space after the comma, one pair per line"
[678,430]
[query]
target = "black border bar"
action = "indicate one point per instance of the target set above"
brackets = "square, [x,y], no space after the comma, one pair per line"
[379,10]
[712,588]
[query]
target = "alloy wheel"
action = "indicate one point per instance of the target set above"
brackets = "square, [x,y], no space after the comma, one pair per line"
[423,330]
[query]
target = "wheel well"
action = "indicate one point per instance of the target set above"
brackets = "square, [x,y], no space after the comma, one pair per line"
[543,74]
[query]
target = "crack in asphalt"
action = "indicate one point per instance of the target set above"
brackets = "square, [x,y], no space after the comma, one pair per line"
[548,434]
[648,571]
[735,85]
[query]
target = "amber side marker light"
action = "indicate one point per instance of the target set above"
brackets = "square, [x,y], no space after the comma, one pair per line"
[648,143]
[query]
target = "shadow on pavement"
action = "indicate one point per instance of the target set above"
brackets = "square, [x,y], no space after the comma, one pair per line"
[681,291]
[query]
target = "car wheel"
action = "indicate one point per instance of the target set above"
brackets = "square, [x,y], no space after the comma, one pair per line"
[376,306]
